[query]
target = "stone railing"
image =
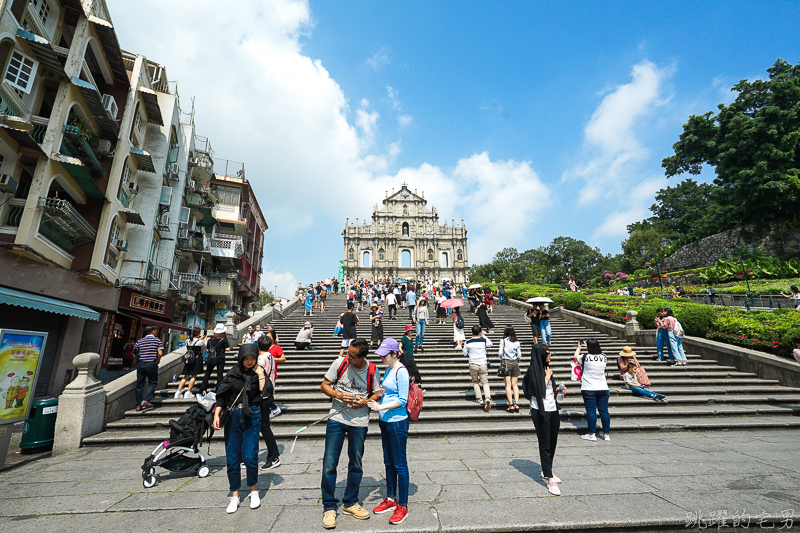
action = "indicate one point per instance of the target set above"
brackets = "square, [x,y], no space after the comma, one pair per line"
[86,405]
[264,317]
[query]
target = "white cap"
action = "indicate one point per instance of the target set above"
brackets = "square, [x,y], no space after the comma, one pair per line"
[219,328]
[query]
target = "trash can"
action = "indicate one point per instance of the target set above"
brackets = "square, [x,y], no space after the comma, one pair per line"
[40,428]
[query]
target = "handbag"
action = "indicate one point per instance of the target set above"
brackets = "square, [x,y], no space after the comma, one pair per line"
[225,415]
[503,371]
[577,371]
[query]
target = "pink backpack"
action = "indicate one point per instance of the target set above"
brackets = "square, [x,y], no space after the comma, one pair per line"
[414,404]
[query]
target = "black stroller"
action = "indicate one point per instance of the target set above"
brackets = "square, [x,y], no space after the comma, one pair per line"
[185,438]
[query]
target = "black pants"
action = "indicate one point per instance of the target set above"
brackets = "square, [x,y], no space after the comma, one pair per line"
[301,345]
[547,426]
[220,374]
[411,312]
[472,305]
[269,438]
[392,310]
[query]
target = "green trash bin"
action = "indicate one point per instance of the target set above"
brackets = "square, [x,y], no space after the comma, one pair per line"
[40,428]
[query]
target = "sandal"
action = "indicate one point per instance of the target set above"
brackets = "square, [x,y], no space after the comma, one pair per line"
[516,408]
[510,409]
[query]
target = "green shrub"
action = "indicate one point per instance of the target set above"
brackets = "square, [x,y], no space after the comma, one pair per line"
[697,319]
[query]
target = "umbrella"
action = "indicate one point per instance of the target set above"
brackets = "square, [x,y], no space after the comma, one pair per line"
[539,300]
[327,282]
[475,286]
[400,280]
[452,302]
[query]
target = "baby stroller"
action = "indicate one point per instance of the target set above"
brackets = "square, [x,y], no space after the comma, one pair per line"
[185,438]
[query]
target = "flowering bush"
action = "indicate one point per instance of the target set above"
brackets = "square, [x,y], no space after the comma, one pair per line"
[622,276]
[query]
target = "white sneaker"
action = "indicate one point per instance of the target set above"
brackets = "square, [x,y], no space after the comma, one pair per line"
[552,488]
[178,395]
[189,394]
[607,437]
[589,437]
[255,499]
[275,412]
[233,505]
[554,478]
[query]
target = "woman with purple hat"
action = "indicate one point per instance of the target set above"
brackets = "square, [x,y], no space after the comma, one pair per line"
[393,421]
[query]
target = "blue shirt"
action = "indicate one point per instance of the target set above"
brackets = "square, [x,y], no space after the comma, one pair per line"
[395,386]
[411,297]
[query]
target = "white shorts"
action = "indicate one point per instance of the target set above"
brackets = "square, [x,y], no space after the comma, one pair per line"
[346,342]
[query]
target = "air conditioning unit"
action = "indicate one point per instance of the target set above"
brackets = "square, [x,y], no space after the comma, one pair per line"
[110,105]
[173,172]
[121,245]
[194,162]
[190,184]
[8,184]
[163,222]
[183,233]
[133,187]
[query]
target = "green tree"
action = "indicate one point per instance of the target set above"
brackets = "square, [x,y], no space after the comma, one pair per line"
[689,208]
[754,146]
[265,297]
[641,234]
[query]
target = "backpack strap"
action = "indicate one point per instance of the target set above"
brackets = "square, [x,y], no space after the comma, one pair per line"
[342,368]
[372,368]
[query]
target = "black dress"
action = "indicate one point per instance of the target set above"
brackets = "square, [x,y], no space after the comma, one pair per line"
[196,367]
[483,317]
[377,328]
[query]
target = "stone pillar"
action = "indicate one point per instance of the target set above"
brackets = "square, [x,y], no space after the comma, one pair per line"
[230,327]
[631,326]
[81,407]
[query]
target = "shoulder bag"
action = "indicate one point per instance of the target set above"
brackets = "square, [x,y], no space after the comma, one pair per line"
[225,415]
[503,371]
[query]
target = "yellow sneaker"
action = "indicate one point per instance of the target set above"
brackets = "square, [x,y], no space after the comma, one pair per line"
[357,511]
[329,519]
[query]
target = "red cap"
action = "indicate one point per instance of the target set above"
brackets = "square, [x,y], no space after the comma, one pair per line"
[409,327]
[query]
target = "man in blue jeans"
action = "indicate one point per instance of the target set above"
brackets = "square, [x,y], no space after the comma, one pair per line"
[351,381]
[501,294]
[150,350]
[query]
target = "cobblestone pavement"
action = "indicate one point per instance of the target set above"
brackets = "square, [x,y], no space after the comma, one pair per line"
[636,482]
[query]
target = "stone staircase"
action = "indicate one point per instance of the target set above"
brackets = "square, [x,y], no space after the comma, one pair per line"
[704,396]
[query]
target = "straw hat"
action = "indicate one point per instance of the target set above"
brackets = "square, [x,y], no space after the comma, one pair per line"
[627,352]
[308,325]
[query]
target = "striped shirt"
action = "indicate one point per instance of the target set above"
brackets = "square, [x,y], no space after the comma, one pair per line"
[148,348]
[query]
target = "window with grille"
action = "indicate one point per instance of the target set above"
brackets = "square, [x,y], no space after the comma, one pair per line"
[126,175]
[20,72]
[113,235]
[138,123]
[43,11]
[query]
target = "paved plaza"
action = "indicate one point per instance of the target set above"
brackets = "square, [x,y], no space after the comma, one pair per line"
[636,482]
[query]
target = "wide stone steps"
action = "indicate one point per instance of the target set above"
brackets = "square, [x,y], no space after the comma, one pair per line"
[706,395]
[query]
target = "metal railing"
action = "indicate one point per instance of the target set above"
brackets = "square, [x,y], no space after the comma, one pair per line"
[63,225]
[228,243]
[231,169]
[7,106]
[762,301]
[39,128]
[74,145]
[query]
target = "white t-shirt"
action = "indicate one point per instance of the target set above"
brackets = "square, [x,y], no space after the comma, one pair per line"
[594,371]
[509,350]
[549,399]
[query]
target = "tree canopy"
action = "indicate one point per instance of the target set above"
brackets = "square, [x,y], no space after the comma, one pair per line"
[753,144]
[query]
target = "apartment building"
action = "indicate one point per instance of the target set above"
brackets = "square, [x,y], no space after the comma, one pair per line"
[99,167]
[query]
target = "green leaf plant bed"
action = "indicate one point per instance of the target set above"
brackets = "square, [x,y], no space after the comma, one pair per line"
[767,331]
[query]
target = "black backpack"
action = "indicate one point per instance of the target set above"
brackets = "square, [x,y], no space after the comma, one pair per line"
[460,322]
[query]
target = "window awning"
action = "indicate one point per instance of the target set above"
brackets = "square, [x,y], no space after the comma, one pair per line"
[108,38]
[133,217]
[23,139]
[143,160]
[45,303]
[80,174]
[151,105]
[44,53]
[94,101]
[159,323]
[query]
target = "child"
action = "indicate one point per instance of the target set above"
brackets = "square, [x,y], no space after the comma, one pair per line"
[633,384]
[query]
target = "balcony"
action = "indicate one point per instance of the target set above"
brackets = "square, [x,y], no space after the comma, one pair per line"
[74,145]
[227,247]
[226,212]
[11,104]
[39,128]
[63,225]
[221,286]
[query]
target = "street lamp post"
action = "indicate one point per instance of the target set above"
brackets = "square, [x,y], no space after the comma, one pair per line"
[749,248]
[645,253]
[567,264]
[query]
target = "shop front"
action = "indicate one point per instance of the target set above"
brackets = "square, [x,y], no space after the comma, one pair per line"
[125,327]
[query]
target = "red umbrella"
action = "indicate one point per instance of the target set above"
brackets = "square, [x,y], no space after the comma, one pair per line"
[452,302]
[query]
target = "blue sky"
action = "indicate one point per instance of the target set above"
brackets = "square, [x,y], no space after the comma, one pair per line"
[529,120]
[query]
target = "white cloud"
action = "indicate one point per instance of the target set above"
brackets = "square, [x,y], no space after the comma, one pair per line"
[612,148]
[284,281]
[311,158]
[403,118]
[637,200]
[380,59]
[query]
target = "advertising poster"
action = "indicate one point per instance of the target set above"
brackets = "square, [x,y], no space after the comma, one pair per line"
[221,315]
[20,358]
